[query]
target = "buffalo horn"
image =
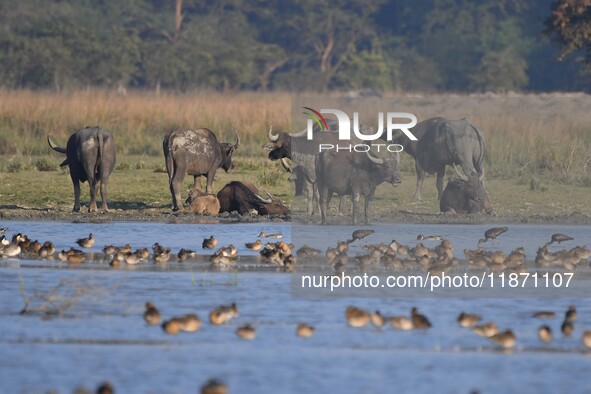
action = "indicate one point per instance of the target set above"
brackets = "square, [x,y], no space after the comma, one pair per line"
[300,134]
[462,177]
[271,136]
[374,159]
[263,200]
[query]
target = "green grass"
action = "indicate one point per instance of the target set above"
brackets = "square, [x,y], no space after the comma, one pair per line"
[134,184]
[131,189]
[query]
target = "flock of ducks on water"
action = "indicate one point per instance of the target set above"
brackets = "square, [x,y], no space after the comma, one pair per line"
[441,259]
[212,386]
[506,339]
[394,255]
[217,317]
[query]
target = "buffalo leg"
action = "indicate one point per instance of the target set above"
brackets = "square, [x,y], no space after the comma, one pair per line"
[420,179]
[104,194]
[341,205]
[92,183]
[355,201]
[439,182]
[76,183]
[324,197]
[175,189]
[209,186]
[368,199]
[310,198]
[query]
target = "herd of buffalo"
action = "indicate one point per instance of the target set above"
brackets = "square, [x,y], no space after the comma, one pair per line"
[90,155]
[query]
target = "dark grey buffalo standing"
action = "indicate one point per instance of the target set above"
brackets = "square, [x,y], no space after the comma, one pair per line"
[243,197]
[90,155]
[443,142]
[352,174]
[302,153]
[466,195]
[195,152]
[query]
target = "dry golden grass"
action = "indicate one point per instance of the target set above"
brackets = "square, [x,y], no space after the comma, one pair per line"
[139,119]
[527,137]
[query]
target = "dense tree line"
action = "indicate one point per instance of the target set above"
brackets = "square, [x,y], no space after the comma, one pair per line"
[409,45]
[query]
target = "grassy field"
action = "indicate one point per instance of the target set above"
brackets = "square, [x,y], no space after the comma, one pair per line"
[538,147]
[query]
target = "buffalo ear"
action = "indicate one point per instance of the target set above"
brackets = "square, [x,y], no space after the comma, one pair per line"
[64,163]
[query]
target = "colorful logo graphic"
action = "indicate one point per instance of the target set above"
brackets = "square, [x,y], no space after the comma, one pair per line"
[318,118]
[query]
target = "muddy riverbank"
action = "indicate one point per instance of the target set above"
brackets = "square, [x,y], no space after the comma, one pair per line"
[166,216]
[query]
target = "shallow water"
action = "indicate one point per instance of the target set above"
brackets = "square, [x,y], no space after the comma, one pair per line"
[104,336]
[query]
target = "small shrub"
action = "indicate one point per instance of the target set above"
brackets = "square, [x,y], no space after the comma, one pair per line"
[45,164]
[123,166]
[268,176]
[14,166]
[536,184]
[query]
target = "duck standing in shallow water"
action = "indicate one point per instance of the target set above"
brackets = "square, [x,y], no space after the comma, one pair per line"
[377,319]
[570,314]
[468,320]
[151,315]
[419,321]
[86,242]
[172,326]
[209,243]
[545,334]
[256,246]
[422,237]
[214,386]
[400,323]
[262,234]
[185,254]
[504,339]
[189,322]
[223,314]
[586,340]
[357,317]
[486,330]
[246,332]
[304,330]
[567,328]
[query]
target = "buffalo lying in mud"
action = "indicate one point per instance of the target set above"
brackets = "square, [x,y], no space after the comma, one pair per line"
[353,174]
[466,195]
[195,152]
[90,155]
[443,142]
[243,197]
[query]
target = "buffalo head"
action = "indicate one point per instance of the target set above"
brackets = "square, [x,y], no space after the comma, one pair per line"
[386,168]
[279,145]
[466,195]
[227,150]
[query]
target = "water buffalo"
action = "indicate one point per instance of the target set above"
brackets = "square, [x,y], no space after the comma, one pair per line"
[302,153]
[354,174]
[443,142]
[205,204]
[244,197]
[195,152]
[466,195]
[90,155]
